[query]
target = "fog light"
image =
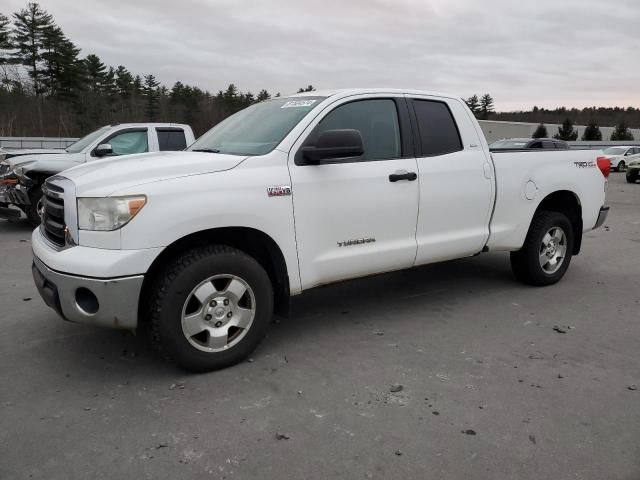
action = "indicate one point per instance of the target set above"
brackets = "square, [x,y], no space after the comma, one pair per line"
[86,301]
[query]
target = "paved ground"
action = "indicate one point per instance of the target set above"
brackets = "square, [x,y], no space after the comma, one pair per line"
[490,390]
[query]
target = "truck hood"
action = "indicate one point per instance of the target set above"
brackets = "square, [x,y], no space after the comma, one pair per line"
[31,151]
[46,162]
[104,177]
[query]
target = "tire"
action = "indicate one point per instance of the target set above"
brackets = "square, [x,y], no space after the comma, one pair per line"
[174,298]
[621,166]
[526,263]
[631,178]
[33,216]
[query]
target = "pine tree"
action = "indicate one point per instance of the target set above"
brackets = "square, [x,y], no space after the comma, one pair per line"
[29,29]
[96,73]
[486,106]
[566,131]
[592,132]
[622,132]
[474,104]
[262,96]
[5,39]
[152,95]
[6,45]
[137,85]
[309,88]
[123,82]
[541,132]
[63,74]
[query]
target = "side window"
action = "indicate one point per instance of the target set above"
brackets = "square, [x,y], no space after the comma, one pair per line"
[437,128]
[126,143]
[548,144]
[377,122]
[536,145]
[171,139]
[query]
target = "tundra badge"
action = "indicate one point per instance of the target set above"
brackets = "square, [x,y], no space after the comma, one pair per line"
[280,191]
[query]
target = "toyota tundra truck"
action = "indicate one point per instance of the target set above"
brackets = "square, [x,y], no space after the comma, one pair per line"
[201,248]
[22,172]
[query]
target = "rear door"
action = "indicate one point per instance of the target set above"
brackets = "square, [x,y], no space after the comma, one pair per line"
[353,217]
[456,185]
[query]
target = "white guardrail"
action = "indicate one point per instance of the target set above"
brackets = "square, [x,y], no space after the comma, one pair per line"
[35,142]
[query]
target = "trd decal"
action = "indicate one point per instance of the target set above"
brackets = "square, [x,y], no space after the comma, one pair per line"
[358,241]
[585,164]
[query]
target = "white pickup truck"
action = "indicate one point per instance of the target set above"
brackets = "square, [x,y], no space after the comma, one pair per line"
[22,173]
[201,247]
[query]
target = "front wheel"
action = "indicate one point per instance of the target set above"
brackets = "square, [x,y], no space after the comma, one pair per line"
[632,178]
[547,250]
[210,307]
[621,166]
[35,210]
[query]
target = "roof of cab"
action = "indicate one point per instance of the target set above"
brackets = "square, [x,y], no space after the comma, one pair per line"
[345,92]
[148,124]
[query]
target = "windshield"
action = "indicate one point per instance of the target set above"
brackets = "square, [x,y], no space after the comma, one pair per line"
[257,129]
[85,141]
[615,150]
[514,144]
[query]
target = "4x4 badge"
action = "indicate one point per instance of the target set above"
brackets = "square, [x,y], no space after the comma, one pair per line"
[280,191]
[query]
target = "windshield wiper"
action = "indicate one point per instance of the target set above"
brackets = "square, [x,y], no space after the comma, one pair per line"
[208,150]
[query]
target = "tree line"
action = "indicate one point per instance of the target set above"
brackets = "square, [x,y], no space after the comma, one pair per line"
[48,89]
[592,132]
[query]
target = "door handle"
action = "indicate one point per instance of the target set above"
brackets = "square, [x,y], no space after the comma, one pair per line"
[403,175]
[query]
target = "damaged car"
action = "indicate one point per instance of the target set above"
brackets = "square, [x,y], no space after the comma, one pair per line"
[22,175]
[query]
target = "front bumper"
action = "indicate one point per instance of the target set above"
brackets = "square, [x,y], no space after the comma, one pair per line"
[602,216]
[105,302]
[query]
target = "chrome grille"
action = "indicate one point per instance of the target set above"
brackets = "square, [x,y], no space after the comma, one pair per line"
[53,225]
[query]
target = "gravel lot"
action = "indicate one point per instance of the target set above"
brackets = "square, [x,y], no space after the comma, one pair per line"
[486,388]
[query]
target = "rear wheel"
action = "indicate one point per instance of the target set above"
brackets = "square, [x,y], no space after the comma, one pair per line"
[546,253]
[210,308]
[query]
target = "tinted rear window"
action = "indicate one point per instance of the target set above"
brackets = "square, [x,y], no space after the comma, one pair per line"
[171,140]
[437,128]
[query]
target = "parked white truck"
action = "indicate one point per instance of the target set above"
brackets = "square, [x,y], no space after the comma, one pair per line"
[202,247]
[22,173]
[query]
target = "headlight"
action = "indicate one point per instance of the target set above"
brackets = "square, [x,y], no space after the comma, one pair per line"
[109,213]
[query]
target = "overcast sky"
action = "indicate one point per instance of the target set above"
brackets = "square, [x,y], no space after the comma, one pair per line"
[536,52]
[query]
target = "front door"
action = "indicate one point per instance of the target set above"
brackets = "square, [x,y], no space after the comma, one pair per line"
[357,216]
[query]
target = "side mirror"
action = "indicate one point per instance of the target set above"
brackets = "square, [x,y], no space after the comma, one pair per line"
[334,144]
[103,150]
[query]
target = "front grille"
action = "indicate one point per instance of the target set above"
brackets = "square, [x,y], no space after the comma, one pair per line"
[53,213]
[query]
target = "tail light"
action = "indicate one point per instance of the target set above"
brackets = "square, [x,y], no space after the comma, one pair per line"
[604,164]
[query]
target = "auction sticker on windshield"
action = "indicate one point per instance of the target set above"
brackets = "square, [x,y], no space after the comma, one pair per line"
[298,103]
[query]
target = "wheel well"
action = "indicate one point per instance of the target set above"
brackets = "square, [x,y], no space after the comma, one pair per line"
[567,203]
[253,242]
